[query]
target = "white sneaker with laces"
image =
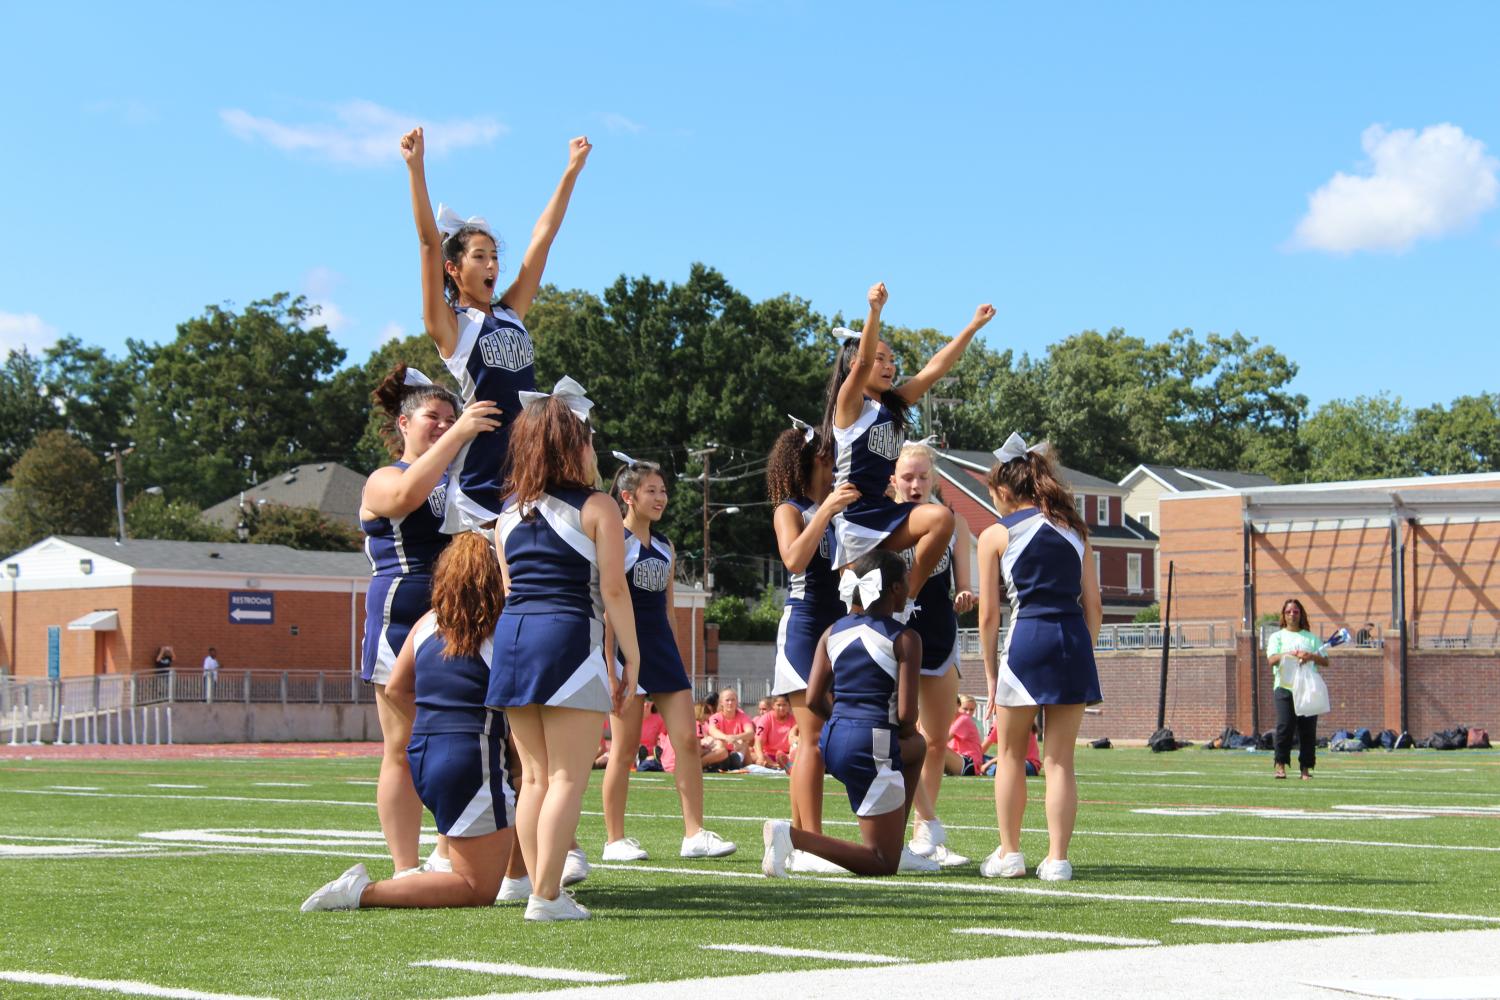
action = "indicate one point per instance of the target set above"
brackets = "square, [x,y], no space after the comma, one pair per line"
[926,835]
[575,867]
[999,865]
[806,863]
[624,849]
[564,907]
[514,890]
[1055,871]
[437,864]
[707,844]
[341,894]
[776,834]
[916,863]
[946,858]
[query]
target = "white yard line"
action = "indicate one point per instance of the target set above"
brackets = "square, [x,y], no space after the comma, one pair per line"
[359,781]
[1273,925]
[281,784]
[1021,932]
[1326,786]
[72,788]
[85,793]
[126,986]
[173,786]
[525,971]
[831,956]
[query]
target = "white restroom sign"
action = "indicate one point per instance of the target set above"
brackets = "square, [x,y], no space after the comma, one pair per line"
[252,607]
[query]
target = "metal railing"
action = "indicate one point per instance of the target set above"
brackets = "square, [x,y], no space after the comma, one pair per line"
[1131,637]
[137,708]
[1476,633]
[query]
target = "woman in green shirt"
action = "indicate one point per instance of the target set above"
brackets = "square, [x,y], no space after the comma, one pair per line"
[1293,645]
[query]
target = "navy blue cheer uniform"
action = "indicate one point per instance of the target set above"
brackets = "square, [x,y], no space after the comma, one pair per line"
[859,742]
[457,748]
[494,360]
[812,604]
[402,552]
[865,454]
[1048,658]
[934,619]
[549,644]
[648,571]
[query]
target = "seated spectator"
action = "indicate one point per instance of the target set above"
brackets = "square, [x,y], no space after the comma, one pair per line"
[733,729]
[653,729]
[1033,753]
[965,755]
[763,707]
[773,735]
[710,754]
[601,756]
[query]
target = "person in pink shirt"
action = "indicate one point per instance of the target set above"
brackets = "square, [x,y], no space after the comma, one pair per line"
[1033,753]
[709,751]
[733,729]
[964,754]
[773,735]
[652,729]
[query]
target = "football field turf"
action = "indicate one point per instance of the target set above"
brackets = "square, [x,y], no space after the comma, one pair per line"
[186,874]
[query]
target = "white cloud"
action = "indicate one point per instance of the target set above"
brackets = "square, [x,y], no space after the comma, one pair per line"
[618,124]
[1419,186]
[321,281]
[329,315]
[319,284]
[361,133]
[391,331]
[128,110]
[18,330]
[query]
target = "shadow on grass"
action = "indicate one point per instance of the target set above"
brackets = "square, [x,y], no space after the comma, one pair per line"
[794,899]
[1226,877]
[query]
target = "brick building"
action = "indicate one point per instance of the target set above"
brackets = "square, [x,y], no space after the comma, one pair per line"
[106,607]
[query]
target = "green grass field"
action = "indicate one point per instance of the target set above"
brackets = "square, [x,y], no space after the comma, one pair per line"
[197,887]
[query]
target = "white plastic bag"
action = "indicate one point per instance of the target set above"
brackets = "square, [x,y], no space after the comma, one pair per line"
[1310,693]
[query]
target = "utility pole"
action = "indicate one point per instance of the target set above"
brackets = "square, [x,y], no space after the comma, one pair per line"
[119,457]
[709,447]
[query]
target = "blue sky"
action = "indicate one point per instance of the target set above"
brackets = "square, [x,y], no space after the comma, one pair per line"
[1147,166]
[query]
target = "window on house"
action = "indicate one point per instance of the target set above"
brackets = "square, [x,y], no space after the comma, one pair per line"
[1098,577]
[1145,520]
[1133,572]
[1101,511]
[1083,512]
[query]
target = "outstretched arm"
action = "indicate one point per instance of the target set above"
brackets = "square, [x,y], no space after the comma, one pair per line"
[912,389]
[436,316]
[522,292]
[852,393]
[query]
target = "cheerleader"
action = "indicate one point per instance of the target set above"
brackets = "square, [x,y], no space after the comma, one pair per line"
[865,419]
[562,553]
[481,338]
[799,482]
[401,513]
[864,683]
[1039,552]
[935,619]
[457,749]
[649,563]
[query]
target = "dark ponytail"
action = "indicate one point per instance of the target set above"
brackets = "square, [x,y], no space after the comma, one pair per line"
[789,467]
[397,399]
[842,362]
[629,476]
[1033,479]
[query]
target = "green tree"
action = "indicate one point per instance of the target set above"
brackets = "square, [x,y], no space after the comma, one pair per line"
[1462,437]
[24,408]
[239,395]
[58,487]
[1360,438]
[92,392]
[154,516]
[299,528]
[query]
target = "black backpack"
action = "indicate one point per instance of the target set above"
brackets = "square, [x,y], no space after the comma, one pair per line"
[1387,739]
[1162,740]
[1448,739]
[1403,742]
[1102,743]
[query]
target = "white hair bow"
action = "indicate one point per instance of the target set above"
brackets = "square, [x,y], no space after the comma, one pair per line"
[930,441]
[869,587]
[449,222]
[569,391]
[414,377]
[803,426]
[620,456]
[844,333]
[1015,447]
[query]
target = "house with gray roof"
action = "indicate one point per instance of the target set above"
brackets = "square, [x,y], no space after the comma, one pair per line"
[327,487]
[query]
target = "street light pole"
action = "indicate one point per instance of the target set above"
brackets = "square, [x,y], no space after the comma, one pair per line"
[119,457]
[707,450]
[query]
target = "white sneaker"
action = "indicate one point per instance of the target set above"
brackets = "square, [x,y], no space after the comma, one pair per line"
[776,834]
[916,863]
[999,865]
[341,894]
[575,867]
[437,864]
[403,873]
[946,858]
[806,863]
[624,849]
[513,890]
[1055,871]
[564,907]
[707,844]
[926,835]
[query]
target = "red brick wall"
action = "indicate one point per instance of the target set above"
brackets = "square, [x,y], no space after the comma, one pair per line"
[27,615]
